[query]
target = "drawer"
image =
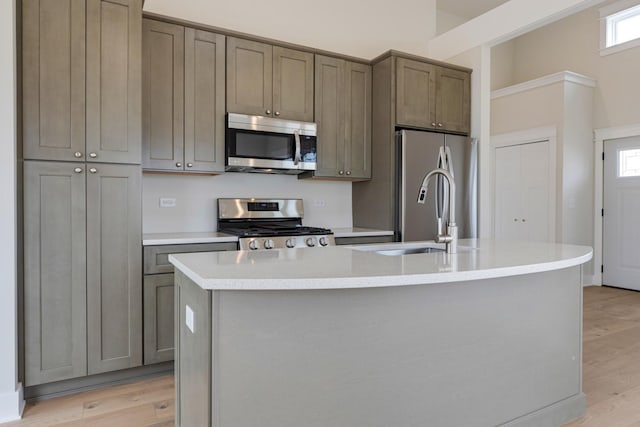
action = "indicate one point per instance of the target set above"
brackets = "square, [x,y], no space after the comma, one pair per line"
[156,258]
[363,240]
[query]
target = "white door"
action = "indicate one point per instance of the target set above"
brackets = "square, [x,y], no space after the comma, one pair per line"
[621,225]
[523,196]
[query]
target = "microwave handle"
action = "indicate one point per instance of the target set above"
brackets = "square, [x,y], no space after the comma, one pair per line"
[296,157]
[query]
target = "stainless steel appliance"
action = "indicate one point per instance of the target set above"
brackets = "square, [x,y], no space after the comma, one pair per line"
[265,144]
[418,153]
[270,224]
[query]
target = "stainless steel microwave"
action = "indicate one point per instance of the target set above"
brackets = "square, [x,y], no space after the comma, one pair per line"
[265,144]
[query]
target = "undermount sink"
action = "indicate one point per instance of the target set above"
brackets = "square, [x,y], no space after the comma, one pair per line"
[408,251]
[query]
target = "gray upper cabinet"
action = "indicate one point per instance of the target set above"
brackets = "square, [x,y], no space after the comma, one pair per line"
[162,95]
[343,115]
[204,108]
[54,271]
[453,108]
[432,97]
[53,79]
[114,267]
[114,61]
[415,93]
[269,80]
[81,80]
[183,98]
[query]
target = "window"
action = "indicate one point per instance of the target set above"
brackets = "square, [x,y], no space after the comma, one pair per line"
[629,163]
[619,26]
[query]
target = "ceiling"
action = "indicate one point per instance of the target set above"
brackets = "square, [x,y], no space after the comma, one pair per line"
[468,8]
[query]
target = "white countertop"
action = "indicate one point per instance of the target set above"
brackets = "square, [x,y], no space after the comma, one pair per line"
[153,239]
[359,232]
[186,238]
[354,267]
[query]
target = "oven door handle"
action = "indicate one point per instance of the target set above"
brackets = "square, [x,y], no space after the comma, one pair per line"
[296,157]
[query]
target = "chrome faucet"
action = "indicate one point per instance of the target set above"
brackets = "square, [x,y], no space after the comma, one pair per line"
[451,238]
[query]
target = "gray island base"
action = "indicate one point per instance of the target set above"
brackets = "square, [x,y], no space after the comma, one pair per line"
[501,351]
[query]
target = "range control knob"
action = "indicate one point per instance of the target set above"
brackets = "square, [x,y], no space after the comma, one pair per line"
[253,245]
[323,241]
[311,242]
[291,243]
[268,244]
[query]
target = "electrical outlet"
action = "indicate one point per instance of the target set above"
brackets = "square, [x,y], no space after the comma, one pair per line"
[166,202]
[189,320]
[320,203]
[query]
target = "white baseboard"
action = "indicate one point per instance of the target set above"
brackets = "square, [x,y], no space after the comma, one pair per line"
[590,280]
[12,405]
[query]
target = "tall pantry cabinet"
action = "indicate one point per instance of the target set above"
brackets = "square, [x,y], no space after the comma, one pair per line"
[81,114]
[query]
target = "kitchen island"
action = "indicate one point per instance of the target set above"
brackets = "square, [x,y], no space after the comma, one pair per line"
[354,336]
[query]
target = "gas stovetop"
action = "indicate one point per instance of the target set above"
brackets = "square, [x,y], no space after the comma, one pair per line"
[269,224]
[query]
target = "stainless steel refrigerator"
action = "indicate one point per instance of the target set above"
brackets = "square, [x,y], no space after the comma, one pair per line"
[417,153]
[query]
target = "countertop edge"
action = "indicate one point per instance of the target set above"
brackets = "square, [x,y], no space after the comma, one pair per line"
[266,284]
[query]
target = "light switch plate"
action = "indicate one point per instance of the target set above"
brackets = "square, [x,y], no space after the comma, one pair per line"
[189,319]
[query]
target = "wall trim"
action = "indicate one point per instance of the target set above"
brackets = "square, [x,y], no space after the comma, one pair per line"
[600,136]
[12,405]
[528,136]
[562,76]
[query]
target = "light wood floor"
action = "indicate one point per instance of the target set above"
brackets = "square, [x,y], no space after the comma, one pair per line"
[611,378]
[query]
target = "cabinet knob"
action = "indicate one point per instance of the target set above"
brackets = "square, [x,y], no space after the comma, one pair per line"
[277,113]
[93,170]
[178,165]
[433,124]
[348,172]
[340,172]
[189,165]
[93,155]
[268,112]
[77,170]
[77,154]
[439,125]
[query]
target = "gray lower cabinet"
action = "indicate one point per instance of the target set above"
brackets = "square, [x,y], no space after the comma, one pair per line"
[54,271]
[81,80]
[114,267]
[158,318]
[343,115]
[183,94]
[82,269]
[158,296]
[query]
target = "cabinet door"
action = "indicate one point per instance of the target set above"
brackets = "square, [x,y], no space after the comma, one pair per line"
[330,115]
[249,77]
[204,85]
[54,272]
[358,120]
[114,267]
[453,100]
[162,95]
[114,62]
[158,318]
[53,79]
[415,93]
[292,84]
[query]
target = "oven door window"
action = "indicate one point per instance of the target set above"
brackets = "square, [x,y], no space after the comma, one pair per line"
[262,145]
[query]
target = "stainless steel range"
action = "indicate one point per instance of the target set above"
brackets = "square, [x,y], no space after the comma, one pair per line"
[270,224]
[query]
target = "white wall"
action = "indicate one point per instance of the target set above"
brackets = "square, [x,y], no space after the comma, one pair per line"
[326,203]
[502,57]
[361,29]
[446,21]
[572,44]
[10,391]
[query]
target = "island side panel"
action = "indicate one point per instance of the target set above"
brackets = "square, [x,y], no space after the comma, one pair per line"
[193,367]
[476,353]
